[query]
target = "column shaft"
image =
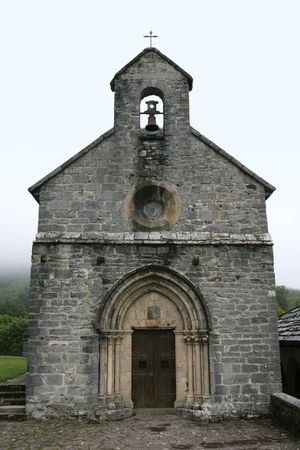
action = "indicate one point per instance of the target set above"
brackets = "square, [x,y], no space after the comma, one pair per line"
[205,367]
[198,384]
[103,365]
[117,366]
[110,365]
[190,396]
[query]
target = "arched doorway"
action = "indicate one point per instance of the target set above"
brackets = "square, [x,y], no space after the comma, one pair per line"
[154,338]
[153,367]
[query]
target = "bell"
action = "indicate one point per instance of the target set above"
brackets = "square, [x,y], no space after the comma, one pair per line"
[151,111]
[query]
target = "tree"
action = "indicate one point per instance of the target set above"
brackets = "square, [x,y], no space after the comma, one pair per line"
[13,330]
[14,294]
[282,294]
[279,311]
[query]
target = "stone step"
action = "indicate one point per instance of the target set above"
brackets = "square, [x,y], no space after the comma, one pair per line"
[12,401]
[154,411]
[11,394]
[12,412]
[12,388]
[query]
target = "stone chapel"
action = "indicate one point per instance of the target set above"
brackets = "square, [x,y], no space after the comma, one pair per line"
[152,282]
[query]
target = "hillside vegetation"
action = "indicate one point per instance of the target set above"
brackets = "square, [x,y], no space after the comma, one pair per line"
[14,296]
[11,367]
[286,299]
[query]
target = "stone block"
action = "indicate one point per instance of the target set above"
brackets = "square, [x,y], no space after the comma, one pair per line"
[55,379]
[220,224]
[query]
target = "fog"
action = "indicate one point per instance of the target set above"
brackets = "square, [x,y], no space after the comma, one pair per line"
[58,57]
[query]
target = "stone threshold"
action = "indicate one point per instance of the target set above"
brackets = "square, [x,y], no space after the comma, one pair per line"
[154,411]
[155,237]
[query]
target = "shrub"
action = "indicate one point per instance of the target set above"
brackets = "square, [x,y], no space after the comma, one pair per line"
[13,330]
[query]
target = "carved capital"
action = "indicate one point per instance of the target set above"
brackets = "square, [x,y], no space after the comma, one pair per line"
[189,339]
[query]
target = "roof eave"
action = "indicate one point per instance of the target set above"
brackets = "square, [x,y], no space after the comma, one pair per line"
[291,342]
[35,188]
[269,188]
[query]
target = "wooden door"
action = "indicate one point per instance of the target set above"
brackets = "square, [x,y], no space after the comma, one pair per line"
[153,368]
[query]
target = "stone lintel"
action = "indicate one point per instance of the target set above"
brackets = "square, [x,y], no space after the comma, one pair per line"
[155,238]
[114,333]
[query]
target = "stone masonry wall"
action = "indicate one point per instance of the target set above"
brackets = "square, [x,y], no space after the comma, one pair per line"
[152,72]
[69,282]
[87,241]
[285,411]
[89,195]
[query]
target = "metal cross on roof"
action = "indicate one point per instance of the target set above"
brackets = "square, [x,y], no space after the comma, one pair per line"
[151,36]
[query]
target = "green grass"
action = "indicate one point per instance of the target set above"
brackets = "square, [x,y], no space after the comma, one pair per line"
[11,367]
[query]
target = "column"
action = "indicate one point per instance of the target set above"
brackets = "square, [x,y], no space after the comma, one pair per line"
[110,351]
[117,364]
[198,368]
[205,365]
[190,396]
[102,366]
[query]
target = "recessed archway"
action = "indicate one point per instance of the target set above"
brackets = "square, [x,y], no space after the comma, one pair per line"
[152,99]
[154,298]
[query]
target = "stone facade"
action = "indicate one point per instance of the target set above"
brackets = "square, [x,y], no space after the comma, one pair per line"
[159,219]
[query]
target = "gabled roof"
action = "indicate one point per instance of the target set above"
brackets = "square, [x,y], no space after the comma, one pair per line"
[268,187]
[147,50]
[34,189]
[289,326]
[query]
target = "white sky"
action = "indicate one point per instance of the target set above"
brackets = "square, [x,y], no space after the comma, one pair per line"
[58,56]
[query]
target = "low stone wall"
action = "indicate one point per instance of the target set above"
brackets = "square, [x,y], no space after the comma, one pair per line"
[285,411]
[216,412]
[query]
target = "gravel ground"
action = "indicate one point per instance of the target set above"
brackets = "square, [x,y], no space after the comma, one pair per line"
[167,432]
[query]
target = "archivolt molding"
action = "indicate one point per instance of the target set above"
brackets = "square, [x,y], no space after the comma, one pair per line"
[123,310]
[173,286]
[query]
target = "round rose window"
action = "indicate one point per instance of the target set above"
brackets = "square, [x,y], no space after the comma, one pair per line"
[153,210]
[153,206]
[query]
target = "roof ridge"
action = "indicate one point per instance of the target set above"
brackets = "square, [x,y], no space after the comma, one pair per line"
[155,50]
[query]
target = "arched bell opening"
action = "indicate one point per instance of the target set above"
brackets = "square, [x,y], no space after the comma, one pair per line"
[163,309]
[151,109]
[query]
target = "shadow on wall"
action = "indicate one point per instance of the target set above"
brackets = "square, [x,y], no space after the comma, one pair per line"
[290,368]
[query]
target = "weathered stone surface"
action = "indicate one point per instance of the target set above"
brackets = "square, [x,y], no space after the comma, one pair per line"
[195,238]
[242,353]
[90,242]
[285,411]
[153,432]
